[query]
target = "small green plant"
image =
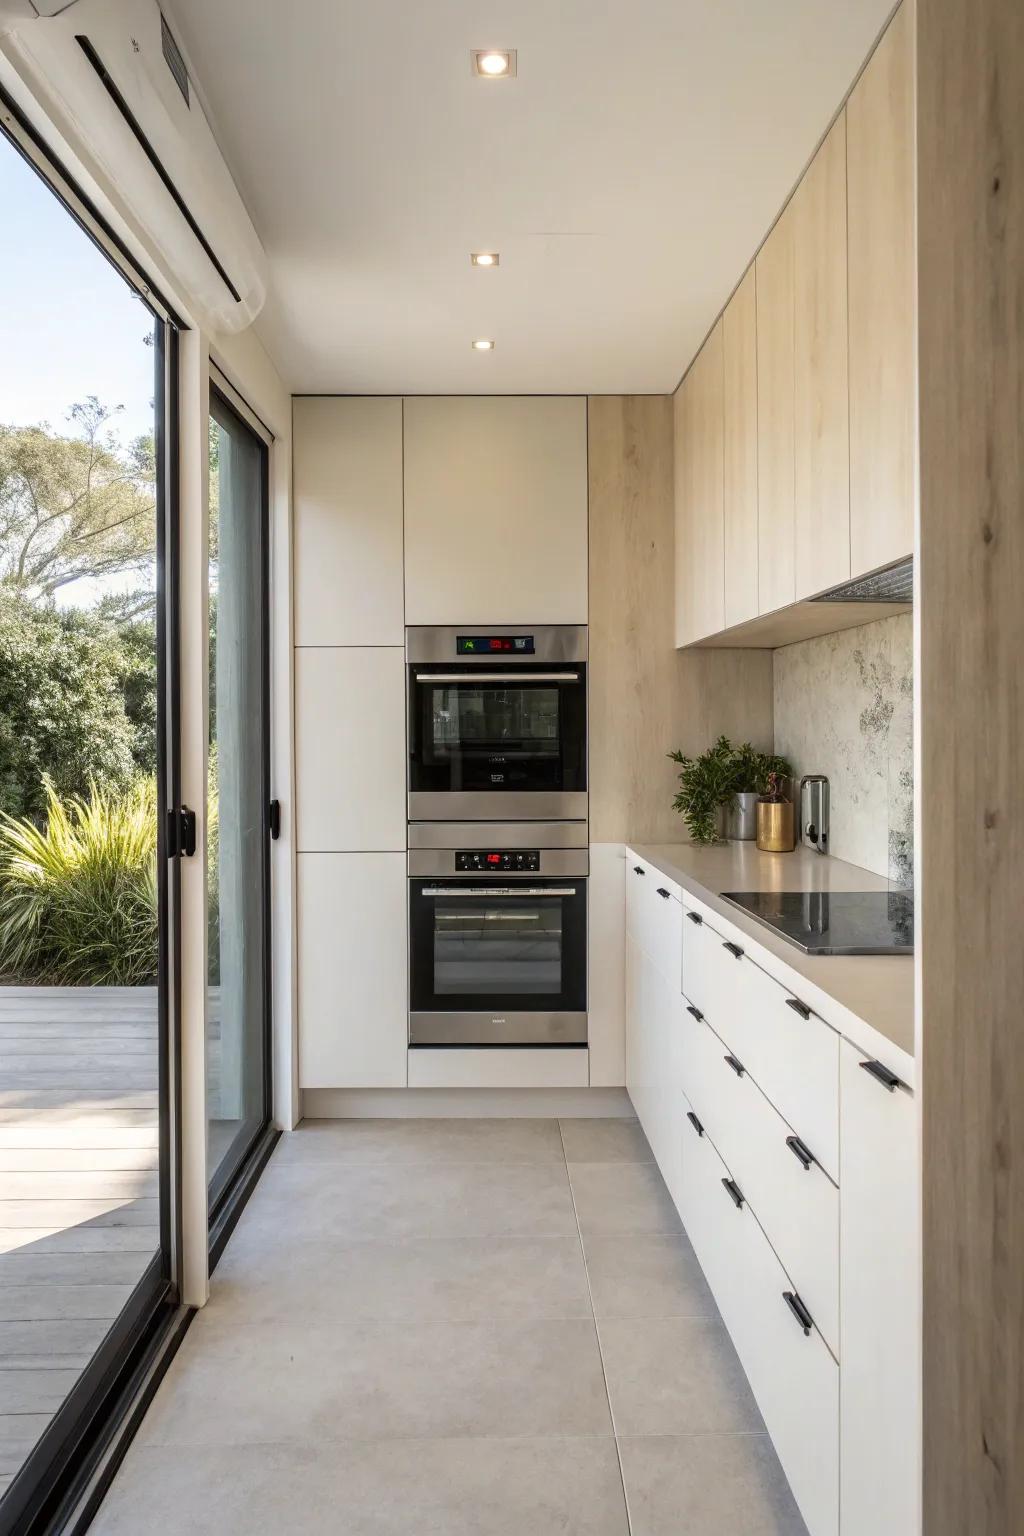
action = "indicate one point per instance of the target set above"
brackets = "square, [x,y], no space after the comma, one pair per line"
[78,896]
[709,781]
[705,783]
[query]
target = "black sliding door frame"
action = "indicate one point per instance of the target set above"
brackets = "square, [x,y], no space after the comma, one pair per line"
[230,1188]
[60,1483]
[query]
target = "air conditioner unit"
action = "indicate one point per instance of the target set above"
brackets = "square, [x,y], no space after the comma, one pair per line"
[110,76]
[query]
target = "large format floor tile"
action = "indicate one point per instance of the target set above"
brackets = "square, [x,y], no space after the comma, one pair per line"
[676,1376]
[238,1386]
[376,1201]
[707,1485]
[471,1278]
[622,1197]
[605,1141]
[637,1275]
[415,1488]
[423,1141]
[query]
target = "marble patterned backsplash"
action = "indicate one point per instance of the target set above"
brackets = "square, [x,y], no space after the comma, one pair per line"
[844,707]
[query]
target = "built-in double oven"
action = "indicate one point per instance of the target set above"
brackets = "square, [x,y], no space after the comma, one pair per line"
[498,836]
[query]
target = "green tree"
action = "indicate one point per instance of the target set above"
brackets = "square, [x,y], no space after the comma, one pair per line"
[63,677]
[74,506]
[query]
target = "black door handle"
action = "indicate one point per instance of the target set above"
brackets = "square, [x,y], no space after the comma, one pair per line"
[662,892]
[274,819]
[733,949]
[695,1122]
[737,1066]
[695,1012]
[798,1007]
[181,833]
[883,1075]
[799,1311]
[802,1153]
[734,1192]
[695,917]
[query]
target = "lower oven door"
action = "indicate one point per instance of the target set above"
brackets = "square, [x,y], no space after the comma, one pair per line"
[498,963]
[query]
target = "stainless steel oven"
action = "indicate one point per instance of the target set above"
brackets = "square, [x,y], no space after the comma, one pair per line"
[498,935]
[497,723]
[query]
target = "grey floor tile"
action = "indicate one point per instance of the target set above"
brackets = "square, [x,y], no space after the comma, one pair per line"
[634,1275]
[241,1386]
[423,1141]
[605,1141]
[676,1376]
[326,1200]
[416,1488]
[469,1278]
[622,1197]
[707,1485]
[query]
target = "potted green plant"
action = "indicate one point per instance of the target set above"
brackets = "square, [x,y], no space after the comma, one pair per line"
[752,771]
[724,777]
[705,786]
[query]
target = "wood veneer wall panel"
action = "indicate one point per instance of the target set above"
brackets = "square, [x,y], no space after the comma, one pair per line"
[970,136]
[645,696]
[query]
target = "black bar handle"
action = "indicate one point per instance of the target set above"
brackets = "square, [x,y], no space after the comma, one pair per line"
[737,1066]
[734,949]
[734,1192]
[638,871]
[695,1122]
[662,892]
[274,819]
[695,917]
[799,1311]
[882,1075]
[798,1007]
[695,1012]
[801,1151]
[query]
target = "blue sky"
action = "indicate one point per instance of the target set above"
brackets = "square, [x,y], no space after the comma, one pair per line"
[69,324]
[69,327]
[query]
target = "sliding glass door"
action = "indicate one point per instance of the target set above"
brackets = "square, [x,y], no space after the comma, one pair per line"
[87,777]
[238,819]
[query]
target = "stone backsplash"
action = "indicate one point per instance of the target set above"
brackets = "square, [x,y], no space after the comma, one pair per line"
[844,707]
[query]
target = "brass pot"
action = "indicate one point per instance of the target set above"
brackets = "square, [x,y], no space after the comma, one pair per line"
[775,826]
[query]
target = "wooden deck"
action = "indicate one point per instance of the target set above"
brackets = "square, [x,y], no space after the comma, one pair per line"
[78,1187]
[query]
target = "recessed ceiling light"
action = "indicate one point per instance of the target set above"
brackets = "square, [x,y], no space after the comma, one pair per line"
[483,345]
[493,63]
[485,258]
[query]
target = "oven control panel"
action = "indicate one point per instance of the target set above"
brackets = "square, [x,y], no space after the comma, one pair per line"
[484,862]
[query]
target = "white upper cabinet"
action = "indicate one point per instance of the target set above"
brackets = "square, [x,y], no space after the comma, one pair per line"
[496,510]
[350,748]
[347,471]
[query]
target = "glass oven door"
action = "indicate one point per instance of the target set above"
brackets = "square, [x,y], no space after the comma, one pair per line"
[498,963]
[501,734]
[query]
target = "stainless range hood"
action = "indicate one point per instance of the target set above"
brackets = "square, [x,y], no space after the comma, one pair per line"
[894,584]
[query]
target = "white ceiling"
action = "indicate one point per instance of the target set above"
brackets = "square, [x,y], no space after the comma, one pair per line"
[626,175]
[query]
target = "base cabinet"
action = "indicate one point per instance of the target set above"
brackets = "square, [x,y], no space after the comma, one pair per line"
[880,1278]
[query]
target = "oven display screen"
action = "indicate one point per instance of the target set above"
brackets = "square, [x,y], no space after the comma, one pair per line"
[494,645]
[494,863]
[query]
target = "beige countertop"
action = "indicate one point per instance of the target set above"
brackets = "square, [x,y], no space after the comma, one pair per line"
[867,998]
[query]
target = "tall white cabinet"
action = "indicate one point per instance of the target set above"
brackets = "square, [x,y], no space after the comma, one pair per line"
[350,742]
[496,509]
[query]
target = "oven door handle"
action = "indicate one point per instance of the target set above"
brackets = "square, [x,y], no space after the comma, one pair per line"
[497,890]
[497,677]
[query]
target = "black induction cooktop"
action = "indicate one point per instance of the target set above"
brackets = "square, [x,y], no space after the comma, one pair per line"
[835,922]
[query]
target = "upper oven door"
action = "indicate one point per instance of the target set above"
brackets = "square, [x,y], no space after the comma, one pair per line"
[506,738]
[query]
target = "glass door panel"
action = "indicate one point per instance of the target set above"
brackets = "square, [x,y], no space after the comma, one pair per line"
[238,798]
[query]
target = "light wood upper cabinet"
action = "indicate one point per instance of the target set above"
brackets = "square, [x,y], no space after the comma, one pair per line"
[496,510]
[776,577]
[821,407]
[739,370]
[882,300]
[700,551]
[347,469]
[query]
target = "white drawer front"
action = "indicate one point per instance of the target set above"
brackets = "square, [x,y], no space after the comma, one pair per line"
[794,1378]
[654,917]
[797,1206]
[792,1054]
